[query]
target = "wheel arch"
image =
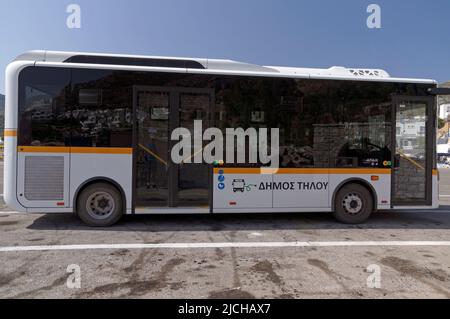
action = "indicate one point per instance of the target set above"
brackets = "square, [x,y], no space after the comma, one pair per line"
[360,181]
[99,179]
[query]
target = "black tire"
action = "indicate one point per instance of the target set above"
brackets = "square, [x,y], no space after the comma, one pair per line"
[100,205]
[353,204]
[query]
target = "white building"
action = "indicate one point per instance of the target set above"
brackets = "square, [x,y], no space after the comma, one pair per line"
[444,111]
[442,149]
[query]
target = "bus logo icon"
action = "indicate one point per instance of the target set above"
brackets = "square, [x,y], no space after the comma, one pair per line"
[221,179]
[239,185]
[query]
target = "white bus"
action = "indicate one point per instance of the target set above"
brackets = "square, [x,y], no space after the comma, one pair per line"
[91,134]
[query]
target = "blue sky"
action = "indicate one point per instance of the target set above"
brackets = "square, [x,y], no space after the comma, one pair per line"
[414,39]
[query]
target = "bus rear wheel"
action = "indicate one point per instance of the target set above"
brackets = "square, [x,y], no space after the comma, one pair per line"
[100,205]
[353,204]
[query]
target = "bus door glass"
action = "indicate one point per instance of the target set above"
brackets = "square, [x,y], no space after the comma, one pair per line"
[152,163]
[413,160]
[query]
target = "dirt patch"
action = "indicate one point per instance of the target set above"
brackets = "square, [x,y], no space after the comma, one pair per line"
[134,287]
[5,279]
[220,253]
[168,268]
[210,267]
[137,287]
[409,268]
[36,239]
[231,294]
[137,264]
[266,268]
[59,282]
[8,223]
[323,266]
[121,252]
[424,275]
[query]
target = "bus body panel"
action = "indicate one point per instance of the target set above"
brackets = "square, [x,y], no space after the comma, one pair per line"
[301,190]
[10,150]
[377,181]
[79,169]
[294,189]
[116,168]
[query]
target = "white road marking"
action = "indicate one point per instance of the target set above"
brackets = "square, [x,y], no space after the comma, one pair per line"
[226,245]
[255,234]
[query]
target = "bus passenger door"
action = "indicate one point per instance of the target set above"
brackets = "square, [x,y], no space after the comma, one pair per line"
[413,159]
[159,182]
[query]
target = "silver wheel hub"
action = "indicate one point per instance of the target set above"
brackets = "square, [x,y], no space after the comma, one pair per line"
[352,203]
[100,205]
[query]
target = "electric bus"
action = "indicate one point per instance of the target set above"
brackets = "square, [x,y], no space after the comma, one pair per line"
[91,134]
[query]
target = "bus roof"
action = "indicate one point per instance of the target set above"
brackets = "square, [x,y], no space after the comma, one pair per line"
[216,66]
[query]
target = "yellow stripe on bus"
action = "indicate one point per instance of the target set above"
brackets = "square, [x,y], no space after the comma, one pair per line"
[10,133]
[306,171]
[74,150]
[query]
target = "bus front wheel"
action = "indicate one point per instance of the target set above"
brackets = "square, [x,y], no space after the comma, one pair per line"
[100,205]
[353,204]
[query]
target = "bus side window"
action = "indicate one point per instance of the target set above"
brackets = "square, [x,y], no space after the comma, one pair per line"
[43,107]
[101,109]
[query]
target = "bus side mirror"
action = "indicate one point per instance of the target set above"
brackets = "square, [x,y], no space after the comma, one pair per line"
[439,91]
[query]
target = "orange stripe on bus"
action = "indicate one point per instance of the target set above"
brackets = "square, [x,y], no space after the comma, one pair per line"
[10,133]
[375,171]
[101,150]
[306,171]
[435,172]
[238,170]
[74,150]
[302,171]
[43,149]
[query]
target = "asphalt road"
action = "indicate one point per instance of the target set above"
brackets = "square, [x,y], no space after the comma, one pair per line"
[225,262]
